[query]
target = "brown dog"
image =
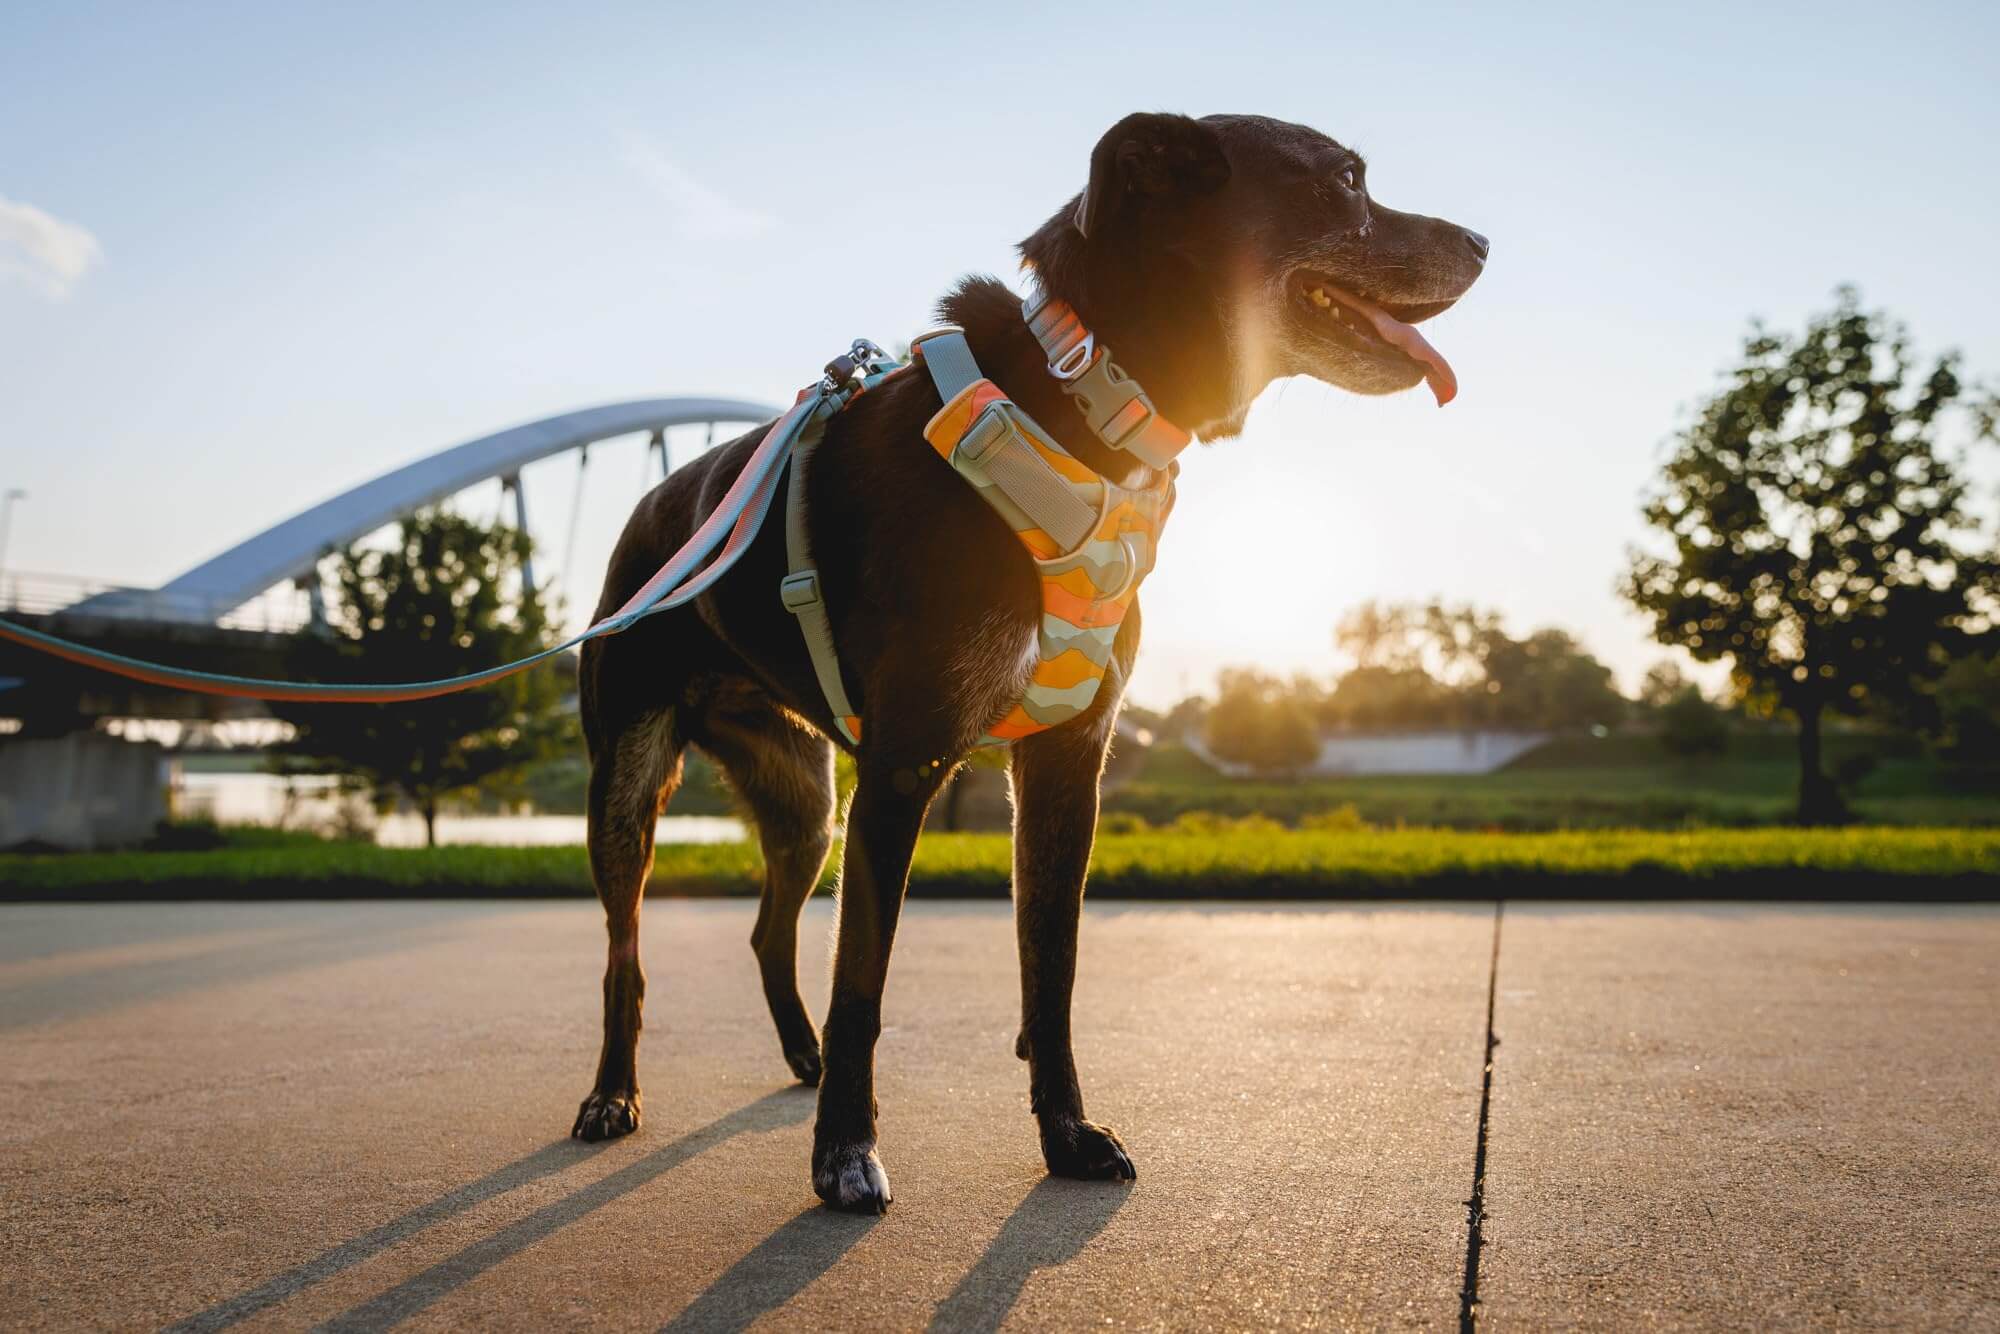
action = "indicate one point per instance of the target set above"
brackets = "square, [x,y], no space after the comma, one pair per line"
[1213,256]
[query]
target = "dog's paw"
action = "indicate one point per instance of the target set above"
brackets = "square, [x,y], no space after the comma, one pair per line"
[850,1176]
[606,1116]
[804,1061]
[1085,1151]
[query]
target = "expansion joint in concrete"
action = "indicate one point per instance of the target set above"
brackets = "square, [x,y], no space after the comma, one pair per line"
[1475,1207]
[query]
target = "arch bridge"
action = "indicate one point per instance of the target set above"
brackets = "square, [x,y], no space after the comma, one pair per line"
[235,611]
[289,552]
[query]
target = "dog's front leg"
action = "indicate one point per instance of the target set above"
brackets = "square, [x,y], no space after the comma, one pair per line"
[1055,776]
[882,827]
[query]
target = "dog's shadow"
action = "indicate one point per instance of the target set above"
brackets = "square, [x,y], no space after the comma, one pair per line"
[773,1111]
[1049,1227]
[777,1270]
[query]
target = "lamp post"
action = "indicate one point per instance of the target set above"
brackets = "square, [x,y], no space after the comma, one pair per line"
[13,494]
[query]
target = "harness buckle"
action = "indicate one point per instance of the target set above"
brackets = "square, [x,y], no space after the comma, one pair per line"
[799,592]
[1128,421]
[1076,360]
[990,430]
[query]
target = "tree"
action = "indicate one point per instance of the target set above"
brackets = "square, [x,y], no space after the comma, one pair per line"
[1691,726]
[1185,718]
[1968,711]
[1262,721]
[1815,527]
[1390,685]
[1433,665]
[443,600]
[1546,680]
[1390,698]
[1381,635]
[951,807]
[1662,685]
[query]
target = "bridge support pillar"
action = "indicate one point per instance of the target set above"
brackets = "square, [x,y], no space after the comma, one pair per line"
[512,484]
[316,622]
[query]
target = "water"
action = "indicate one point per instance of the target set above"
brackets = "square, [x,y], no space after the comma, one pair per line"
[407,831]
[313,803]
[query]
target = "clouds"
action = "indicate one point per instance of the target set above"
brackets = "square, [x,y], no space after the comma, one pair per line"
[44,251]
[696,211]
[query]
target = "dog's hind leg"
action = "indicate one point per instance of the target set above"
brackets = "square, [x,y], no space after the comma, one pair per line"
[1055,776]
[634,769]
[784,773]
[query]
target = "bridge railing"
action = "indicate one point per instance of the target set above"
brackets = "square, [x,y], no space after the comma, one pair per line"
[281,610]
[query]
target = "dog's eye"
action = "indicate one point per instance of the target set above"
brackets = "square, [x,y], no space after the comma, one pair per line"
[1349,178]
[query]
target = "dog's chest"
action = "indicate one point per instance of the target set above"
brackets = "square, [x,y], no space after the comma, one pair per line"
[992,663]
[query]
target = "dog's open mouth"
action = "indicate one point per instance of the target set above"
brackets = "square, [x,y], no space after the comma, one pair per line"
[1386,331]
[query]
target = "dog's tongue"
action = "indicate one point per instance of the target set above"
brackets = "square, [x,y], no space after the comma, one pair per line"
[1406,339]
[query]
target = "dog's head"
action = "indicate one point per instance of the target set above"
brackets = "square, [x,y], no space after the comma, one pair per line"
[1260,242]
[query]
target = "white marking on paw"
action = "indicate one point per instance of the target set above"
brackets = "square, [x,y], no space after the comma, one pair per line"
[855,1179]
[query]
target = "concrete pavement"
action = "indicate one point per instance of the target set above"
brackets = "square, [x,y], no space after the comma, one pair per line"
[353,1115]
[1746,1116]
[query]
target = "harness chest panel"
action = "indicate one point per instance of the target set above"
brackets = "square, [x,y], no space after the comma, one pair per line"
[1086,586]
[1091,540]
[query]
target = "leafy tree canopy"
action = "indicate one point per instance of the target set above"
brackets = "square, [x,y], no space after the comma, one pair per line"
[1433,665]
[1663,683]
[1815,527]
[1262,721]
[443,599]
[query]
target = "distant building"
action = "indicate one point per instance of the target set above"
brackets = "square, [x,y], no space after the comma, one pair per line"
[1354,754]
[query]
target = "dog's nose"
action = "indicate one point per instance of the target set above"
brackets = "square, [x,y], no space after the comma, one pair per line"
[1478,244]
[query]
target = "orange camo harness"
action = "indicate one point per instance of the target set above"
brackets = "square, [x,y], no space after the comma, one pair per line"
[1092,541]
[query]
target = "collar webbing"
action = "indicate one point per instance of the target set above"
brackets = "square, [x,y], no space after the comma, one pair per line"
[1113,404]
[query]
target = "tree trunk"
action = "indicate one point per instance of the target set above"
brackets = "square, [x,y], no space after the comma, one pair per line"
[1819,801]
[430,823]
[953,792]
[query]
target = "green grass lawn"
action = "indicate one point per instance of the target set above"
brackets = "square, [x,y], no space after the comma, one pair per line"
[1619,782]
[1255,863]
[1622,782]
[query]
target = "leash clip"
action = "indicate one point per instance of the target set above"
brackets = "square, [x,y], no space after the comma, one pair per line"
[843,368]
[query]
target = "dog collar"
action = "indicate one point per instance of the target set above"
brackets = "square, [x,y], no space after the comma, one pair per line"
[1113,404]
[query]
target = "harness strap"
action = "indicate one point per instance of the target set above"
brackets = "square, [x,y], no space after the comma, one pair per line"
[999,446]
[1113,405]
[799,590]
[948,357]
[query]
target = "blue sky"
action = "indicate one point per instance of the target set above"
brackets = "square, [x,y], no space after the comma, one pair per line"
[251,255]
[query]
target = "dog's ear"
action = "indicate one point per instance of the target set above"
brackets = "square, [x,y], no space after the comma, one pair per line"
[1151,153]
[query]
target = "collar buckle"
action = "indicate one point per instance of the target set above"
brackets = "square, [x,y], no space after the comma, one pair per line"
[1113,405]
[1075,360]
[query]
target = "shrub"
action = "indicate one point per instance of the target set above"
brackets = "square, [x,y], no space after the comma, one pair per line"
[1691,726]
[1344,817]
